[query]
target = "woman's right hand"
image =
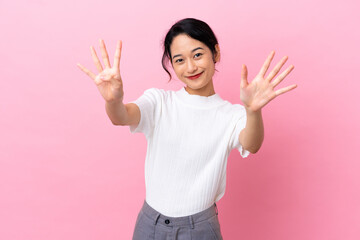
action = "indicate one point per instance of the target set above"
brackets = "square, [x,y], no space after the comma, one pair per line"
[108,80]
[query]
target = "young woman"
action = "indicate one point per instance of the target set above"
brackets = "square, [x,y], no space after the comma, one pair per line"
[190,132]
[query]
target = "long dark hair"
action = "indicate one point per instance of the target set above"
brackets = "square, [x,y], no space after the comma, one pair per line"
[194,28]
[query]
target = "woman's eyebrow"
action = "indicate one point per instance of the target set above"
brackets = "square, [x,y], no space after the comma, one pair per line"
[178,55]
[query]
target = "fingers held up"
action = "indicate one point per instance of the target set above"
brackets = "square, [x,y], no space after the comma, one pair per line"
[96,59]
[266,64]
[277,68]
[87,71]
[117,55]
[244,74]
[282,75]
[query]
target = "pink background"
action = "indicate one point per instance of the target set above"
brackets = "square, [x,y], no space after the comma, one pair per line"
[67,173]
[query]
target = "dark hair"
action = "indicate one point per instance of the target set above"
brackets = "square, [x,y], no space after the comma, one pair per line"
[194,28]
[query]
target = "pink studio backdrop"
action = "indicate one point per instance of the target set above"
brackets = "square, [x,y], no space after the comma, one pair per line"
[67,173]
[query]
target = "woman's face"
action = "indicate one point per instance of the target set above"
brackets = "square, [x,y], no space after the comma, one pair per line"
[193,64]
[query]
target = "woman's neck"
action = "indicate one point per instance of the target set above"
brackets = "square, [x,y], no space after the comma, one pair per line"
[206,91]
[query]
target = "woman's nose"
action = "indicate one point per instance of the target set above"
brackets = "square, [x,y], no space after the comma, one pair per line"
[191,66]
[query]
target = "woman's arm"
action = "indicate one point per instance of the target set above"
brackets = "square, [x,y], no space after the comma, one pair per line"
[110,85]
[252,136]
[255,96]
[120,114]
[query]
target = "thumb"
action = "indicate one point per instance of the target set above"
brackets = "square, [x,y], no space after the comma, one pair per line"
[105,77]
[244,73]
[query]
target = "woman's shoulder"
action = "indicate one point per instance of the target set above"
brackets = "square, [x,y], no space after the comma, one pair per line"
[158,90]
[158,94]
[232,110]
[232,106]
[154,90]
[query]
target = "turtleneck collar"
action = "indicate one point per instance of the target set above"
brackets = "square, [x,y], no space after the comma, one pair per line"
[199,101]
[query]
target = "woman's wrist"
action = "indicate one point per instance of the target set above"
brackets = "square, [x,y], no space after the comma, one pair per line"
[249,111]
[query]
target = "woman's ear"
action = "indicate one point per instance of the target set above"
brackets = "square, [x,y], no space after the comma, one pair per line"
[217,56]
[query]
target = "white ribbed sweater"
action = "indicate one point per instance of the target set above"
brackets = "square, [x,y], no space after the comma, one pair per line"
[189,138]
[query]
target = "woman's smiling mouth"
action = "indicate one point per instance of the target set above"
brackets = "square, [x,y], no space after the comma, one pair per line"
[195,76]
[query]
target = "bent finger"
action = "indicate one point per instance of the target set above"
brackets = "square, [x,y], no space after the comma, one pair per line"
[87,71]
[117,56]
[96,59]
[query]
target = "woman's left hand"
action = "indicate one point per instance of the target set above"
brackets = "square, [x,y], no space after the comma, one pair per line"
[261,90]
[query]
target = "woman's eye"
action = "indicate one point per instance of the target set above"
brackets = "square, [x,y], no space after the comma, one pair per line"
[198,54]
[178,60]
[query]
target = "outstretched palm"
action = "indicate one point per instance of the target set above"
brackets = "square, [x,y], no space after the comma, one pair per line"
[261,90]
[108,80]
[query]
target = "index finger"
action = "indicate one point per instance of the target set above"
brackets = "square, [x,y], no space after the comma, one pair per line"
[266,65]
[117,54]
[87,71]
